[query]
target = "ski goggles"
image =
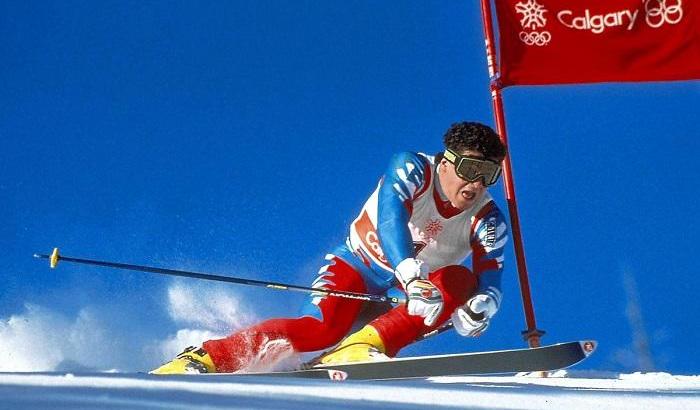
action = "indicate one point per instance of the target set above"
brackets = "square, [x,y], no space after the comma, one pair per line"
[472,169]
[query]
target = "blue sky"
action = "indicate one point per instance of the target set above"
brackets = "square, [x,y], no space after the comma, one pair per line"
[242,138]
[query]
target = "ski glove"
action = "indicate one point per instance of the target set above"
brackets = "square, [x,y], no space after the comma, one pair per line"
[472,318]
[425,300]
[410,269]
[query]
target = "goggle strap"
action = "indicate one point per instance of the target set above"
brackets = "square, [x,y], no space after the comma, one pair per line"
[450,156]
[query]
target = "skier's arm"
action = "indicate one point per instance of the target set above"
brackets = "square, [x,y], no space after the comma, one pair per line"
[404,179]
[488,239]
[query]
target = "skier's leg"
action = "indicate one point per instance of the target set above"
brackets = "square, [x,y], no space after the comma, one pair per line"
[262,345]
[396,329]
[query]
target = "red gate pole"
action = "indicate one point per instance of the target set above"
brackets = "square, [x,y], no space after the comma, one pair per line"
[532,334]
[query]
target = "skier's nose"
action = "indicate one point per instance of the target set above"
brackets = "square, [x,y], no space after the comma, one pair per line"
[478,184]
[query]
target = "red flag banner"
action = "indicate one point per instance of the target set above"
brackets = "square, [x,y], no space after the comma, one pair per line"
[585,41]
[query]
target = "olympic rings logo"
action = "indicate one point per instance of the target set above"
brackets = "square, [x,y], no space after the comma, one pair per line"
[663,13]
[535,38]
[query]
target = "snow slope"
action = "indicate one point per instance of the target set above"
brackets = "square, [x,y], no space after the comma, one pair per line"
[142,391]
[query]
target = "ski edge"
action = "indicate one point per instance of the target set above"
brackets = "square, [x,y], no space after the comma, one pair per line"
[345,371]
[587,347]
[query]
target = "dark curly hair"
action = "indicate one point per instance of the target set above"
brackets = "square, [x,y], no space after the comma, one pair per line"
[475,136]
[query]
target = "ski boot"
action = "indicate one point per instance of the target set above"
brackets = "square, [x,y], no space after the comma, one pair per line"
[361,346]
[191,360]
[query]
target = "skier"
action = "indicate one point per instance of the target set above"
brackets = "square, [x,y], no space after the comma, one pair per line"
[426,216]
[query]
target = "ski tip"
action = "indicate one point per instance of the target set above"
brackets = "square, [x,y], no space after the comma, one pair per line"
[588,347]
[53,259]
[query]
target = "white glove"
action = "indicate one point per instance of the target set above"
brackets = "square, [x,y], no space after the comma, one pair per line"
[424,299]
[472,318]
[410,269]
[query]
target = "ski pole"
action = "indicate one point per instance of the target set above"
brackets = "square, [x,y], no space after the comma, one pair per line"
[54,257]
[447,326]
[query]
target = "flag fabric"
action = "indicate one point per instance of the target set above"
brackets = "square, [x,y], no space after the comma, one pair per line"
[586,41]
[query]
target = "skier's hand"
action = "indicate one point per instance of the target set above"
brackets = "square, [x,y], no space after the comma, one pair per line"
[472,318]
[424,299]
[410,269]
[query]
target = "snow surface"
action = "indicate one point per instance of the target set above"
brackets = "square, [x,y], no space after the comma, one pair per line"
[561,390]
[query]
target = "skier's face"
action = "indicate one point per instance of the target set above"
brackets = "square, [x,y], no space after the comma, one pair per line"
[461,194]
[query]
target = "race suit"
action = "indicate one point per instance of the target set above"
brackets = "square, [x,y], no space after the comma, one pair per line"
[407,215]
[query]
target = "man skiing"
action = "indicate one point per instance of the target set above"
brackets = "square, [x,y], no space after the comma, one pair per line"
[426,216]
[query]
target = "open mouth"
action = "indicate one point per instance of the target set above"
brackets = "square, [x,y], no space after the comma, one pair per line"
[468,195]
